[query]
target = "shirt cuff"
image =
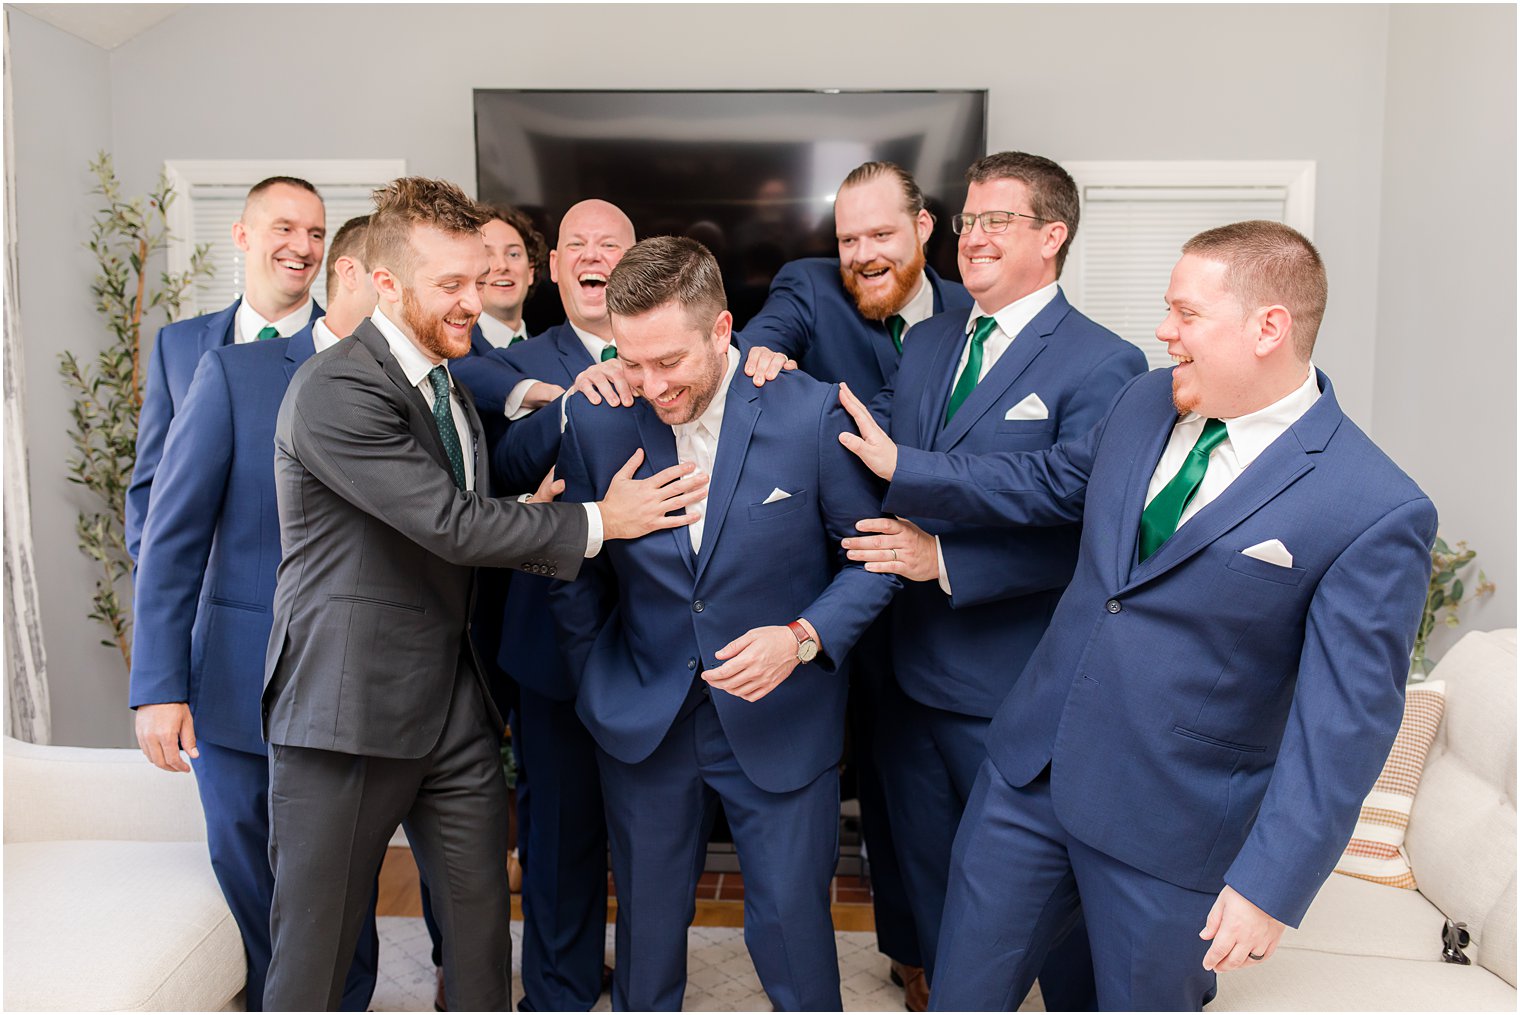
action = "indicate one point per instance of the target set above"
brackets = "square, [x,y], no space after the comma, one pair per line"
[593,529]
[944,575]
[562,417]
[514,407]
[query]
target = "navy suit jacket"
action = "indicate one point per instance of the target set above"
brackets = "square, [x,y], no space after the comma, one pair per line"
[529,651]
[211,545]
[171,365]
[646,615]
[481,371]
[1208,717]
[962,654]
[811,318]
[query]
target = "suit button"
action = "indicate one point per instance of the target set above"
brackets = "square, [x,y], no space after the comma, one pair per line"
[1113,606]
[698,606]
[554,570]
[691,664]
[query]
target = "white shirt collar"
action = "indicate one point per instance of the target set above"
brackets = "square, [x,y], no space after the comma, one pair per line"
[1251,434]
[1015,317]
[498,334]
[414,364]
[322,336]
[920,307]
[250,323]
[712,417]
[594,343]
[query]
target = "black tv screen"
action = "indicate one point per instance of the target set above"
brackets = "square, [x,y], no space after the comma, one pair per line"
[752,174]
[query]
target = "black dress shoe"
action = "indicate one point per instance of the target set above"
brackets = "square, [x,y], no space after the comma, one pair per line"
[440,999]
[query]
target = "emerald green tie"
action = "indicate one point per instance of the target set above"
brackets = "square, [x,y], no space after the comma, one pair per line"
[267,331]
[609,352]
[1159,519]
[445,420]
[895,327]
[973,372]
[515,339]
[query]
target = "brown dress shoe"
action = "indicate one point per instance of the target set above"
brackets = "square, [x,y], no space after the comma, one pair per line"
[915,987]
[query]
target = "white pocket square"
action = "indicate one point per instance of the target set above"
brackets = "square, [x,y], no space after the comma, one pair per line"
[776,494]
[1272,551]
[1030,408]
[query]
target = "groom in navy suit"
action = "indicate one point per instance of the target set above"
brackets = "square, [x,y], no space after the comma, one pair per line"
[709,663]
[1188,748]
[281,233]
[205,590]
[1022,371]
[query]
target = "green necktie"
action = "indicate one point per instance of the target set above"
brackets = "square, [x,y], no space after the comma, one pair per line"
[267,331]
[973,372]
[895,327]
[445,420]
[1159,519]
[515,339]
[609,352]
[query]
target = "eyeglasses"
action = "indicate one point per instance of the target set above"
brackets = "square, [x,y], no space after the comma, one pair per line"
[992,221]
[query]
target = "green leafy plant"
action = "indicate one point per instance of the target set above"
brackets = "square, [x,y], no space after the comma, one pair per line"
[124,236]
[1445,597]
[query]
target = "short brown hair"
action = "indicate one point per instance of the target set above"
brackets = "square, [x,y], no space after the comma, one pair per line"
[533,240]
[1052,191]
[913,196]
[347,242]
[1269,263]
[665,269]
[412,201]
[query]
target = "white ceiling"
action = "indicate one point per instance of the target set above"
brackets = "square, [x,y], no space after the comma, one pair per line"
[105,25]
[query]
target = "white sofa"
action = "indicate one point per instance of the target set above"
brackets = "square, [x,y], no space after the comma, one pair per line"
[1372,947]
[110,902]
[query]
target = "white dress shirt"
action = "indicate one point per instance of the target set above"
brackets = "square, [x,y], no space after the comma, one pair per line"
[498,334]
[697,442]
[322,336]
[250,323]
[920,306]
[514,408]
[1248,436]
[1011,320]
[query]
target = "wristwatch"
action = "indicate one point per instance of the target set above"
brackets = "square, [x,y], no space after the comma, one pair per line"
[807,648]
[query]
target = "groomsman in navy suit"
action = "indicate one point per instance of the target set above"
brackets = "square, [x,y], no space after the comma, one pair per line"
[709,664]
[1188,748]
[847,319]
[281,234]
[205,589]
[562,827]
[1022,370]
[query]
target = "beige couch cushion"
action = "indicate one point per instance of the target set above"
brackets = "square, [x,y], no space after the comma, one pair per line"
[1351,916]
[1461,840]
[1297,980]
[132,926]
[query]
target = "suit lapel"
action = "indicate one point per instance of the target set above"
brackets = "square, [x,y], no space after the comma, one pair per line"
[572,352]
[375,342]
[220,329]
[477,440]
[1153,433]
[739,418]
[940,379]
[1284,462]
[887,356]
[659,442]
[302,347]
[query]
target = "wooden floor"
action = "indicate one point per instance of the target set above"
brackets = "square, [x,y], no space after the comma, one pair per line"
[720,897]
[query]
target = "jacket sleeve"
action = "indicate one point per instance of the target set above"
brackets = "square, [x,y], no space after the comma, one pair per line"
[785,323]
[153,421]
[1346,711]
[490,379]
[583,607]
[528,449]
[353,435]
[182,517]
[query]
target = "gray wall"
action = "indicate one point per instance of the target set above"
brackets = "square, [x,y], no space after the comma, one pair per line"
[1090,82]
[1444,406]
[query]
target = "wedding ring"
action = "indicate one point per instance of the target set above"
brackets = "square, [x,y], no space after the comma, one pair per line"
[894,552]
[1253,955]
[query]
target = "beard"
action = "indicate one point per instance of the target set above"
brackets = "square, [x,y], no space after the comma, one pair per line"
[702,390]
[904,278]
[429,331]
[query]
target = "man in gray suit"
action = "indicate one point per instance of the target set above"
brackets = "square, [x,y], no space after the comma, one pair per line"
[374,705]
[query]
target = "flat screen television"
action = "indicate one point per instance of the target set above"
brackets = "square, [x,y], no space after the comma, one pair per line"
[750,173]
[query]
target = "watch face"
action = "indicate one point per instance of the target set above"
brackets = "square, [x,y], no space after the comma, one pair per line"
[806,650]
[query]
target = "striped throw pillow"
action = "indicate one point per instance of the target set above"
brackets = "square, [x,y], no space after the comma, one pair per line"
[1376,850]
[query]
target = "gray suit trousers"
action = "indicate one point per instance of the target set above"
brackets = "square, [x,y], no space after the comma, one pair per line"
[331,816]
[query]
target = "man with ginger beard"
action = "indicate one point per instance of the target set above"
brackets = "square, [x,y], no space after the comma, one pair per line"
[847,319]
[374,705]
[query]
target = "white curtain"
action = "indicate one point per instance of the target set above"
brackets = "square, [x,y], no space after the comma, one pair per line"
[27,716]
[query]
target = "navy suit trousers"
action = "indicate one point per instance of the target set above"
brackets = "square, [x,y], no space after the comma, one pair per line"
[659,814]
[1015,881]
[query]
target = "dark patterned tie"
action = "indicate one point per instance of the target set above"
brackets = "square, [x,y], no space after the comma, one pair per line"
[973,372]
[1161,516]
[895,327]
[267,331]
[445,420]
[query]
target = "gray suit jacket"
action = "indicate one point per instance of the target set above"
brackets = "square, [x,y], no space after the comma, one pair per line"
[374,591]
